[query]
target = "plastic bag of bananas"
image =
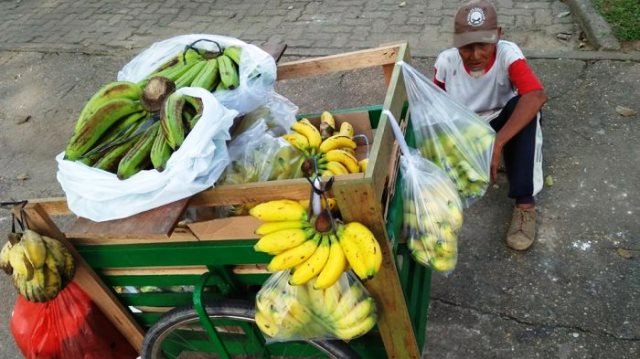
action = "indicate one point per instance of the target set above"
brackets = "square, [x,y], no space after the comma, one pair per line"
[285,312]
[195,164]
[450,135]
[246,75]
[432,209]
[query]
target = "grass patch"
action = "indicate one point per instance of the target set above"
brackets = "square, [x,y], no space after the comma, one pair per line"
[623,16]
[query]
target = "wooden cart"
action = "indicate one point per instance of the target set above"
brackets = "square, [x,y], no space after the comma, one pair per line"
[150,250]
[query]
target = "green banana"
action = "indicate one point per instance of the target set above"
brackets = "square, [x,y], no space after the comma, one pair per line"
[97,124]
[192,111]
[123,125]
[187,78]
[171,120]
[110,160]
[221,86]
[160,151]
[234,53]
[208,77]
[177,66]
[110,91]
[228,72]
[137,157]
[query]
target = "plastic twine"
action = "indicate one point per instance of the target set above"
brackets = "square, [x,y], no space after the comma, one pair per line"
[404,148]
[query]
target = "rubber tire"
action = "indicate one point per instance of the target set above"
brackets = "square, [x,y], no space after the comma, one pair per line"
[337,349]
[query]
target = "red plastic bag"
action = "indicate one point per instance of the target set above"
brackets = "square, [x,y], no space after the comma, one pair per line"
[68,326]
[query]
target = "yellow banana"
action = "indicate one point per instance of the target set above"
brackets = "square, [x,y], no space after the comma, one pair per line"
[297,140]
[363,163]
[294,256]
[337,168]
[55,254]
[331,298]
[327,117]
[337,141]
[266,324]
[357,330]
[368,244]
[34,248]
[5,265]
[69,267]
[336,264]
[270,227]
[52,283]
[279,241]
[279,211]
[310,268]
[363,309]
[354,255]
[346,129]
[22,268]
[308,130]
[316,299]
[327,173]
[344,157]
[349,299]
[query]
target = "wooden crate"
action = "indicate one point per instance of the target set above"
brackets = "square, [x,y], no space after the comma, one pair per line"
[143,250]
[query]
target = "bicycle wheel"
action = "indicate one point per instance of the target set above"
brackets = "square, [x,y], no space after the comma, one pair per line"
[179,334]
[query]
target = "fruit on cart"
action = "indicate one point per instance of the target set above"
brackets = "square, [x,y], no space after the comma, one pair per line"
[134,142]
[431,221]
[333,150]
[446,151]
[343,310]
[318,247]
[40,266]
[210,70]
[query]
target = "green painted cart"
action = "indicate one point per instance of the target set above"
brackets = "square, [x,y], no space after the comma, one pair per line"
[209,269]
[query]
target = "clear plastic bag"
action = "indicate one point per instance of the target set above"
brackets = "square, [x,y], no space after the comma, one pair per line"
[278,113]
[257,156]
[432,209]
[68,326]
[450,135]
[257,70]
[285,312]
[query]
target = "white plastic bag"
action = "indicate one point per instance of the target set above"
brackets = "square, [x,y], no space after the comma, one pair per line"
[450,135]
[257,68]
[100,196]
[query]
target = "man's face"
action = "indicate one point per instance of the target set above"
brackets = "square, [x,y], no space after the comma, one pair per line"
[477,55]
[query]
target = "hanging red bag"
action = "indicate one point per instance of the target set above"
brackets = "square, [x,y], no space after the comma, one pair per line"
[68,326]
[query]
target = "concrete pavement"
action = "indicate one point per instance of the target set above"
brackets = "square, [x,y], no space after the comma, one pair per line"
[574,295]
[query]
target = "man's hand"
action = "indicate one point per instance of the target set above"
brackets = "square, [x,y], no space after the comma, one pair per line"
[495,160]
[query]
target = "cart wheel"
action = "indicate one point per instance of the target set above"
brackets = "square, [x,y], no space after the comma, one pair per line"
[179,334]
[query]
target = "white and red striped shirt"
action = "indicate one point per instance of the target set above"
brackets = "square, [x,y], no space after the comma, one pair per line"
[506,75]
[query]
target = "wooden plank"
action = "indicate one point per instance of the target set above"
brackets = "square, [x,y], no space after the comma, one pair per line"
[39,221]
[154,223]
[54,206]
[394,322]
[241,227]
[179,234]
[341,62]
[186,270]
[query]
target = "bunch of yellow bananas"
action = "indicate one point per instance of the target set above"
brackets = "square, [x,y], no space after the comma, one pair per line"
[212,71]
[431,226]
[310,247]
[115,132]
[40,266]
[343,310]
[335,150]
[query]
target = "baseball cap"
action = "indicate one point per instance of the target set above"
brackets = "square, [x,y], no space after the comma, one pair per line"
[475,21]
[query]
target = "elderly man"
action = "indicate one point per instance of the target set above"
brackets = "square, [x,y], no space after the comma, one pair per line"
[492,78]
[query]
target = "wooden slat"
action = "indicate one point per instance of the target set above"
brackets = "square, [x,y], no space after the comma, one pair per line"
[186,270]
[39,221]
[394,322]
[241,227]
[154,223]
[54,206]
[341,62]
[179,235]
